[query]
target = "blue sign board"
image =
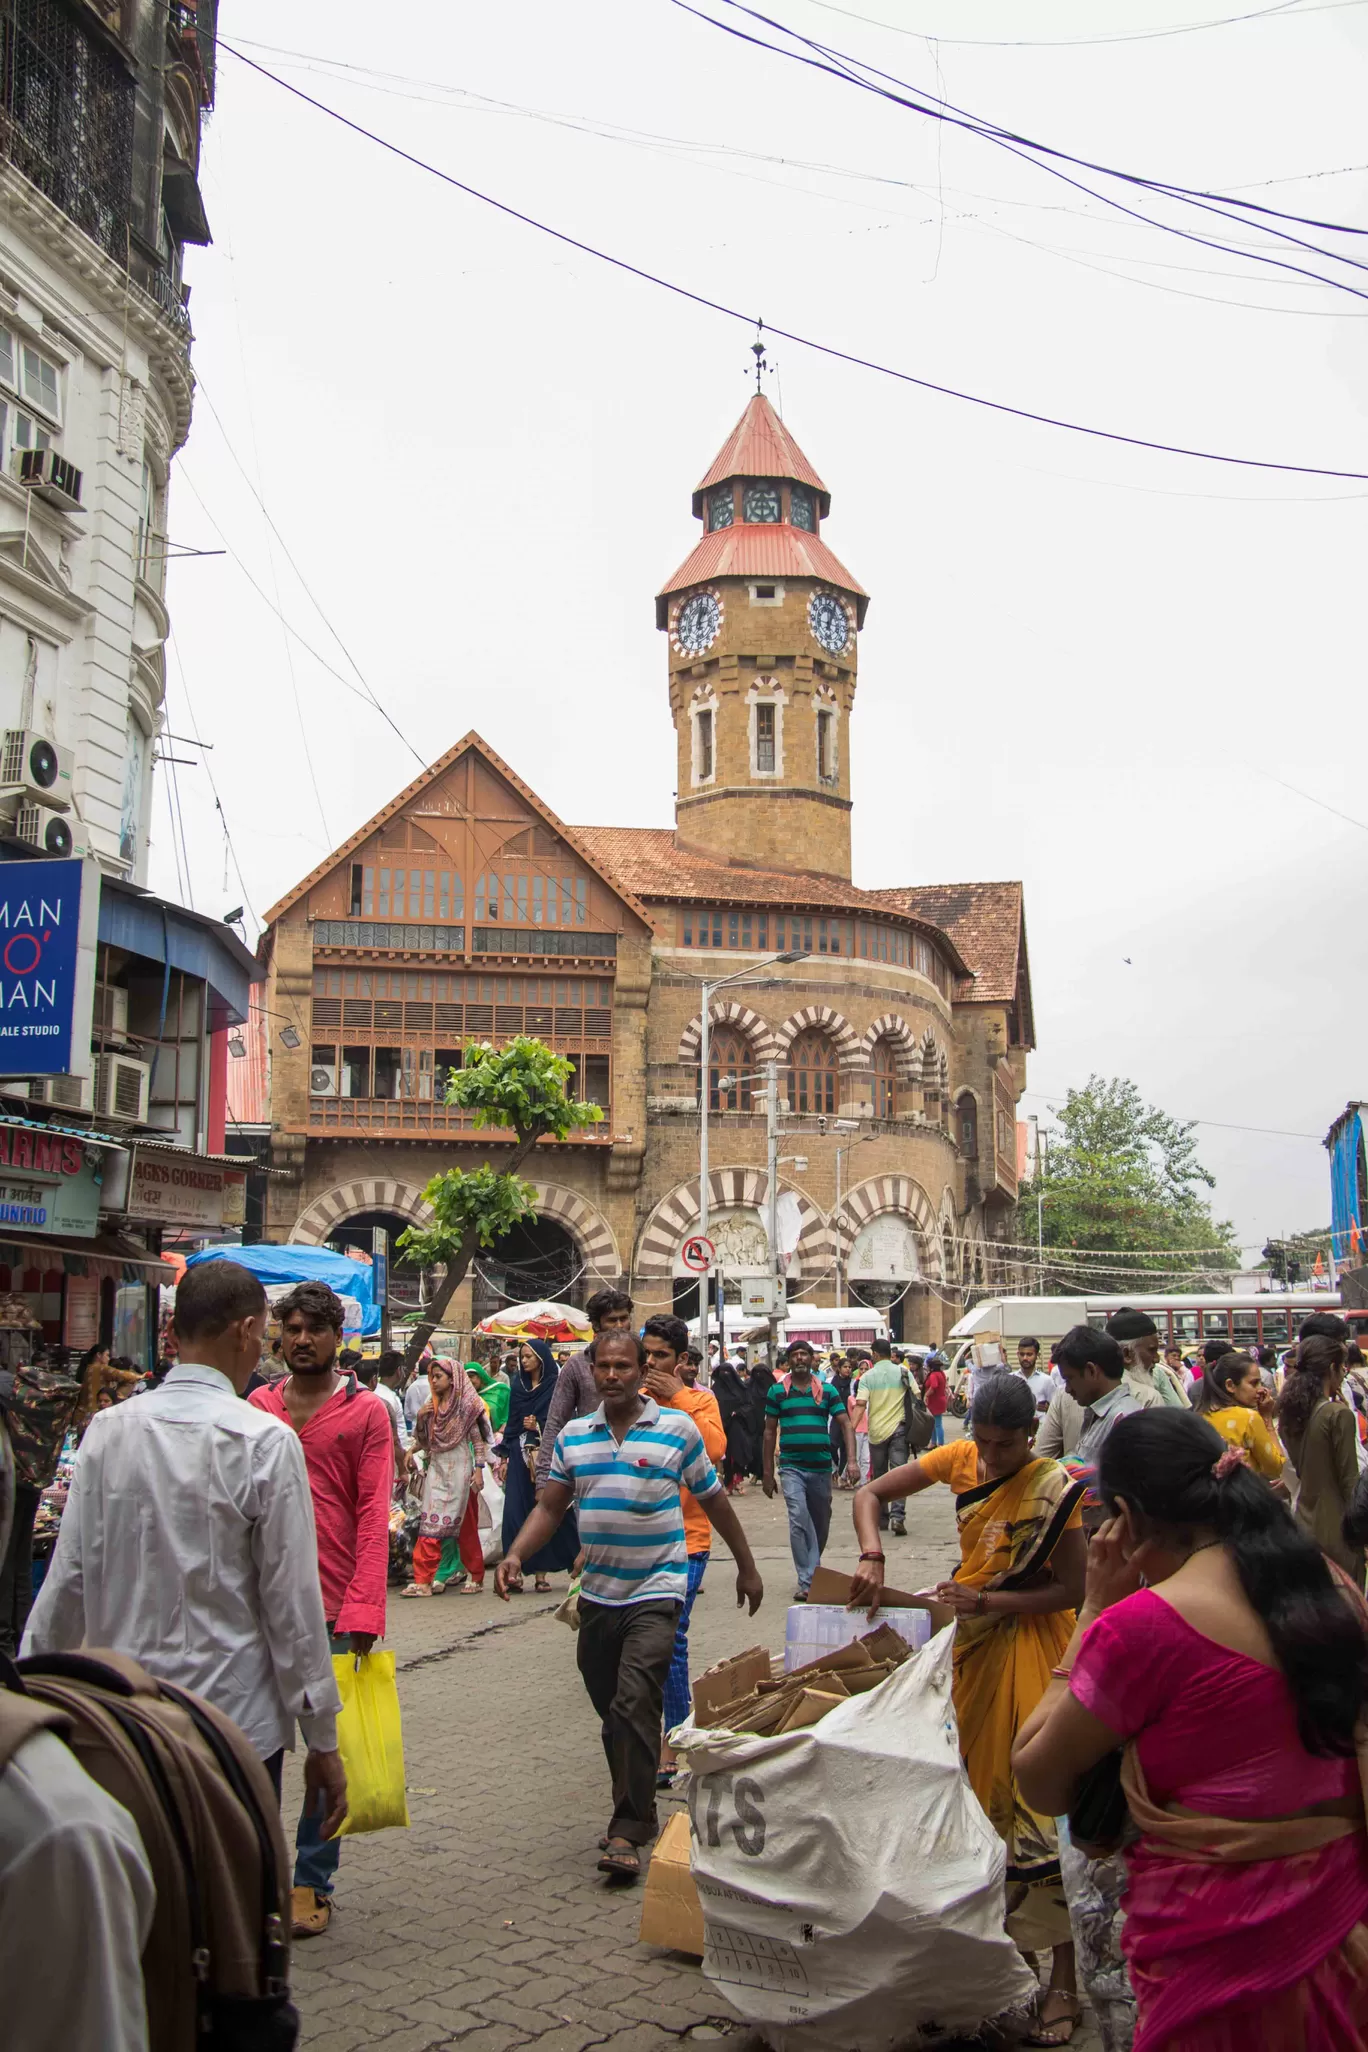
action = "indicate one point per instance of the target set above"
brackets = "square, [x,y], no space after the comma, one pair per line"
[49,918]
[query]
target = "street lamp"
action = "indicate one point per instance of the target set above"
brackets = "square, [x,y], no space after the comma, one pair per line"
[1040,1210]
[841,1153]
[708,986]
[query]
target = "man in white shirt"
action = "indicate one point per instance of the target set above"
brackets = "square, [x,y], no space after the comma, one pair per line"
[1028,1364]
[76,1903]
[188,1541]
[419,1392]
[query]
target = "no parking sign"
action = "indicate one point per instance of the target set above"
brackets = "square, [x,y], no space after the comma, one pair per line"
[699,1254]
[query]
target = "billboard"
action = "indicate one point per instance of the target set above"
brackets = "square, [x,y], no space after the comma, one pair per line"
[49,924]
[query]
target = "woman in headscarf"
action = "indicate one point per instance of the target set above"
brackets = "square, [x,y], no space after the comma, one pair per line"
[494,1390]
[733,1401]
[757,1391]
[451,1429]
[529,1400]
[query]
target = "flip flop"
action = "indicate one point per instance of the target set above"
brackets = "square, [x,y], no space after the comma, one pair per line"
[1049,2033]
[623,1866]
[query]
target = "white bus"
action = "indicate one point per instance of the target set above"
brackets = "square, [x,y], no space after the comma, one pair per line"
[987,1335]
[856,1326]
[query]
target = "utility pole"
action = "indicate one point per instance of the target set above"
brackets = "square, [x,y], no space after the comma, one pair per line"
[704,1094]
[772,1168]
[1040,1209]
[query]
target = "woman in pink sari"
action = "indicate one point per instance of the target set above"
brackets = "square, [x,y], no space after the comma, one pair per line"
[1236,1682]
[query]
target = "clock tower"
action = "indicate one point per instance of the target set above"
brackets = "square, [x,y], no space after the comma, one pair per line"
[763,620]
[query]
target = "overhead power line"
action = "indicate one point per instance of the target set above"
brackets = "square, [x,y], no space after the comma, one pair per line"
[826,349]
[1288,9]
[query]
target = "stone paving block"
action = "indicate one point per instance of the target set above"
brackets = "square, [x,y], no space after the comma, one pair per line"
[530,2020]
[444,2017]
[487,2037]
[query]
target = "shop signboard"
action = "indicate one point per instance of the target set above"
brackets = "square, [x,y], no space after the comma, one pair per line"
[49,1182]
[179,1189]
[49,926]
[81,1312]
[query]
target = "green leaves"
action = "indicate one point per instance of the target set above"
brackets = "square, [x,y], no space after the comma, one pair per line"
[486,1201]
[1122,1176]
[520,1085]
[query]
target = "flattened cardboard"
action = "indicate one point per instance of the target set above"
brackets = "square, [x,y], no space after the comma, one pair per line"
[670,1910]
[727,1683]
[829,1587]
[836,1661]
[809,1706]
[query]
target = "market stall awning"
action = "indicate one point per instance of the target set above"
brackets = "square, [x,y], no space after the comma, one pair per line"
[544,1320]
[109,1256]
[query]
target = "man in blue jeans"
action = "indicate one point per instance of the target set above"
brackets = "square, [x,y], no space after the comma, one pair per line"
[798,1413]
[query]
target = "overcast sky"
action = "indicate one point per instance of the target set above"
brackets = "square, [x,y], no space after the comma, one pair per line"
[1083,665]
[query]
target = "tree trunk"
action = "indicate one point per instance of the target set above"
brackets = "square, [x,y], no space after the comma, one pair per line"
[457,1268]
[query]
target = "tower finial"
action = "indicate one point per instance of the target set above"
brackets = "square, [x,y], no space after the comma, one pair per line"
[758,352]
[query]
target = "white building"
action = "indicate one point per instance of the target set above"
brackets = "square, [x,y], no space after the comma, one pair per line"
[100,108]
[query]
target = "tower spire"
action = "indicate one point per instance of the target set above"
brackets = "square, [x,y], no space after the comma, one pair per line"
[758,352]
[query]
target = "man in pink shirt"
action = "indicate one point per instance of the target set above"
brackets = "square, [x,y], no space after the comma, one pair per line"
[347,1443]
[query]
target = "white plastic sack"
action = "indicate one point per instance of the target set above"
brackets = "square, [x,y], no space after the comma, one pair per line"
[851,1886]
[490,1513]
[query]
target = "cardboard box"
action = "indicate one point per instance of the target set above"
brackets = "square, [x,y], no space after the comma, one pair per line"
[728,1683]
[829,1587]
[670,1910]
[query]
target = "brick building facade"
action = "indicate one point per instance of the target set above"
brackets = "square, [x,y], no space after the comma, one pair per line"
[466,909]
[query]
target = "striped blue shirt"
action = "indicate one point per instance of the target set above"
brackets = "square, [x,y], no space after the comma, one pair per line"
[627,1501]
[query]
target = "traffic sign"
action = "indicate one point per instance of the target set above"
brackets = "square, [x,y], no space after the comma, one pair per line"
[698,1254]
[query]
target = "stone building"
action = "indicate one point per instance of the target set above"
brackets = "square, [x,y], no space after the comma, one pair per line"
[467,909]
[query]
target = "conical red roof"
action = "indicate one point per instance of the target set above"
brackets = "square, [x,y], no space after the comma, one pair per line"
[761,446]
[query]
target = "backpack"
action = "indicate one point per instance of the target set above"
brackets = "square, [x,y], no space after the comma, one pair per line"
[217,1960]
[917,1419]
[38,1403]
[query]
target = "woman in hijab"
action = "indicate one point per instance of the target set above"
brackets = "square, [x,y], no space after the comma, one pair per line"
[494,1390]
[733,1401]
[757,1391]
[451,1429]
[529,1400]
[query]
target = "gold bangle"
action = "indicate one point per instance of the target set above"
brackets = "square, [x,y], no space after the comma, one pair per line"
[1061,1673]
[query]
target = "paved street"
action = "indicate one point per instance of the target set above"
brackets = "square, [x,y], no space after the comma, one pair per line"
[485,1924]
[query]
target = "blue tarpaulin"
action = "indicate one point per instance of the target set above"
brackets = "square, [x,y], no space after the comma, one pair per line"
[289,1264]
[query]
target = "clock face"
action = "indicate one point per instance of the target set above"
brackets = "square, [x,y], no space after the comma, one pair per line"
[720,509]
[698,623]
[800,508]
[761,504]
[829,621]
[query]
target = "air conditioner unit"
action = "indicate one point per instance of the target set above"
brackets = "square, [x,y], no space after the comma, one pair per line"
[32,764]
[323,1079]
[70,1093]
[43,828]
[49,475]
[121,1088]
[110,1015]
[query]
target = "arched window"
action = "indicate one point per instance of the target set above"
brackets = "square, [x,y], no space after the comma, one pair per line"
[967,1114]
[730,1064]
[883,1080]
[813,1072]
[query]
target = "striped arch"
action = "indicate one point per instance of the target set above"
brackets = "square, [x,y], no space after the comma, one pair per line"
[898,1194]
[928,1055]
[826,1021]
[729,1189]
[367,1193]
[587,1227]
[726,1012]
[894,1028]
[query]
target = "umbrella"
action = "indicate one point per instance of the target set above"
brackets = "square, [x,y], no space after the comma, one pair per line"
[542,1320]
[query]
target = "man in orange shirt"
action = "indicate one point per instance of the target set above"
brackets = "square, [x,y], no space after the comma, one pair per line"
[672,1379]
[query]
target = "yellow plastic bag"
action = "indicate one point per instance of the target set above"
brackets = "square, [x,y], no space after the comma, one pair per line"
[370,1742]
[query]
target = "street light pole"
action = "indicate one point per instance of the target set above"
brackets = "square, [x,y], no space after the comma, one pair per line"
[772,1173]
[841,1153]
[1040,1211]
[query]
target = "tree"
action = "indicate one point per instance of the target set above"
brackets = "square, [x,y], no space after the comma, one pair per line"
[1120,1176]
[519,1086]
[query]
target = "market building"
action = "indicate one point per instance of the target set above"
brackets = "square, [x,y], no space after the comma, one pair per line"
[467,909]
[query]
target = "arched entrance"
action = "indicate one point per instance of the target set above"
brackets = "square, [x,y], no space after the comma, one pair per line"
[538,1258]
[407,1290]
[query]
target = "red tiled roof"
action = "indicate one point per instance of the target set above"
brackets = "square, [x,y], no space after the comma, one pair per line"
[761,446]
[650,863]
[987,925]
[755,551]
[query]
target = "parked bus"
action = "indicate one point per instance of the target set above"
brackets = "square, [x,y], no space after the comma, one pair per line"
[987,1335]
[856,1326]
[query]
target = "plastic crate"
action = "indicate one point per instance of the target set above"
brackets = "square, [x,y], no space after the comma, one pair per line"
[816,1628]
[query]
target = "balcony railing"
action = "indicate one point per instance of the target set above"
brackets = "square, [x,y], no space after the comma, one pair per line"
[389,1115]
[66,117]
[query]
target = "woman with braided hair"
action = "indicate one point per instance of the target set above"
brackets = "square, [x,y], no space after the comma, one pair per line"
[1322,1444]
[1236,1680]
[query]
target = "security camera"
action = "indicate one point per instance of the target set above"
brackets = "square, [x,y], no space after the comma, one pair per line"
[821,1122]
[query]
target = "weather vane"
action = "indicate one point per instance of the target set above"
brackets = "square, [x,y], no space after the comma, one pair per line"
[758,352]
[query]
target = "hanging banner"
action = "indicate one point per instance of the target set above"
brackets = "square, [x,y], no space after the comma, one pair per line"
[49,925]
[81,1312]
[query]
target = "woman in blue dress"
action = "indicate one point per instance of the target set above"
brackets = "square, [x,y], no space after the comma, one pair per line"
[529,1400]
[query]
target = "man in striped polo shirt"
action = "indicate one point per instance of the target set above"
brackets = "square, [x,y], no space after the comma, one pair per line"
[622,1469]
[798,1414]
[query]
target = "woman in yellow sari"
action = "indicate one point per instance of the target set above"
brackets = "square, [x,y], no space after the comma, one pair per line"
[1023,1560]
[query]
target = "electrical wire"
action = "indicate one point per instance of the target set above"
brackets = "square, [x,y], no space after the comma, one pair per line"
[826,349]
[1287,8]
[218,802]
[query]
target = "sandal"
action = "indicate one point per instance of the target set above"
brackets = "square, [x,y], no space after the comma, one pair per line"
[620,1860]
[417,1589]
[1048,2029]
[541,1587]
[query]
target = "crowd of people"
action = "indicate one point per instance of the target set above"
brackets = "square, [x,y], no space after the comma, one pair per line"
[1161,1633]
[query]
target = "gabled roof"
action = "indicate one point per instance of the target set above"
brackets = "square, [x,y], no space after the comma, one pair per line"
[652,864]
[987,923]
[413,790]
[746,551]
[761,446]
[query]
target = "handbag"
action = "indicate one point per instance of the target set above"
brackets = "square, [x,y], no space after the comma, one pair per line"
[917,1420]
[1099,1813]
